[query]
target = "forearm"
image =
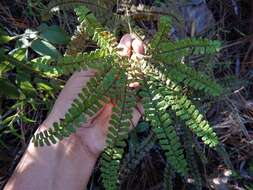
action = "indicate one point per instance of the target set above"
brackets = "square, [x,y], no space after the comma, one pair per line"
[65,165]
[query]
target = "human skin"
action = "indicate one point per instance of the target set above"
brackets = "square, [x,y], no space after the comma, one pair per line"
[68,164]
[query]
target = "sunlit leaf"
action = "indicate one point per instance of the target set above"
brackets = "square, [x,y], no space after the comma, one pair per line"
[5,39]
[44,87]
[19,53]
[53,34]
[45,48]
[27,88]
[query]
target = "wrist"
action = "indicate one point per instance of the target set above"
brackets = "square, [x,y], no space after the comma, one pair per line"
[64,165]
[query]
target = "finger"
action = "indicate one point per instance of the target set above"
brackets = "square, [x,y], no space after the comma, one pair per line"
[125,46]
[138,46]
[94,133]
[78,80]
[126,40]
[137,114]
[101,120]
[124,51]
[134,85]
[75,84]
[140,108]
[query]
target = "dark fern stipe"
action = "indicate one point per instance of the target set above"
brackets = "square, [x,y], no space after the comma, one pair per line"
[162,75]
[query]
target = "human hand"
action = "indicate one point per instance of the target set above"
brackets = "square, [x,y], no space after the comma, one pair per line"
[92,134]
[69,163]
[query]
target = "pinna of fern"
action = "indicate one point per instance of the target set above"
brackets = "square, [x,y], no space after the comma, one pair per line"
[161,80]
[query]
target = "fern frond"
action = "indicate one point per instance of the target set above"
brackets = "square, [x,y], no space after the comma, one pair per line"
[172,97]
[193,119]
[155,112]
[225,156]
[183,74]
[171,53]
[88,103]
[71,63]
[169,175]
[191,158]
[188,46]
[134,157]
[168,57]
[164,27]
[44,65]
[92,60]
[118,132]
[200,151]
[180,73]
[103,38]
[162,76]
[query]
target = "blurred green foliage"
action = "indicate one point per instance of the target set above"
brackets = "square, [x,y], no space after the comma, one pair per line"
[25,88]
